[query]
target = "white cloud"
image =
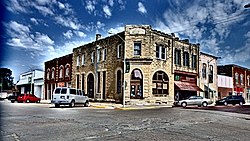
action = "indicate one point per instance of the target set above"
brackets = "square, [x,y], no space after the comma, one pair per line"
[141,8]
[61,5]
[99,25]
[116,30]
[68,22]
[107,11]
[90,6]
[35,21]
[15,7]
[111,3]
[80,33]
[68,34]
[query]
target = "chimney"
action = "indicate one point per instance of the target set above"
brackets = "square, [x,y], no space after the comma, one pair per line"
[98,36]
[172,34]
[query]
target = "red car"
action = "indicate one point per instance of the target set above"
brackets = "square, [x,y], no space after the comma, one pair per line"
[28,98]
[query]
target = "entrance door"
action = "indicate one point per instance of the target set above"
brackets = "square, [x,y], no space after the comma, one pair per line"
[136,90]
[90,85]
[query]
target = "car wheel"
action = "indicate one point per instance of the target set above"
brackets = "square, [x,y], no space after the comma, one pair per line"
[57,105]
[72,104]
[184,104]
[12,101]
[225,103]
[86,104]
[204,104]
[27,101]
[241,103]
[38,101]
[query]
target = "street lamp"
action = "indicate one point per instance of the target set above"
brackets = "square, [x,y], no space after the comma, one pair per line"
[124,68]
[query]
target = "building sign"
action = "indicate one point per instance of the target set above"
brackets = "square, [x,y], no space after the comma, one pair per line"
[61,84]
[137,31]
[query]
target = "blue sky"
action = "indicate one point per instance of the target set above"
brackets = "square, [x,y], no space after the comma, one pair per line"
[39,30]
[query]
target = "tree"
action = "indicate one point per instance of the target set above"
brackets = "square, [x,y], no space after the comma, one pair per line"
[6,80]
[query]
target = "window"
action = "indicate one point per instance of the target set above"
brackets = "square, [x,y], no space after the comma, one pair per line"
[53,73]
[236,77]
[82,81]
[61,72]
[160,52]
[93,57]
[77,81]
[241,79]
[248,80]
[137,48]
[177,57]
[104,54]
[119,47]
[194,61]
[210,74]
[119,81]
[160,83]
[72,91]
[77,61]
[186,59]
[83,59]
[48,71]
[67,71]
[204,70]
[99,82]
[98,55]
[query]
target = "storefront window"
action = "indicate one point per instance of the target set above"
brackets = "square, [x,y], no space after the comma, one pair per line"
[160,83]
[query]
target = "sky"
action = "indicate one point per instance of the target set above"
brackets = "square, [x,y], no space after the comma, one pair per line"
[33,32]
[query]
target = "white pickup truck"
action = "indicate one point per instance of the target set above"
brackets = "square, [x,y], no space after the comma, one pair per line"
[3,95]
[69,96]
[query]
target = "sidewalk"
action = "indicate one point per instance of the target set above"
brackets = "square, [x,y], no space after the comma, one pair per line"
[106,105]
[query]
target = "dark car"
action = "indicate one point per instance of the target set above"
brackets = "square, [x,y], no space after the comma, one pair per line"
[13,97]
[232,99]
[28,98]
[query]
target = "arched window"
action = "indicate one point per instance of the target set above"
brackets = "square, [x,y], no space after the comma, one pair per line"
[241,79]
[236,77]
[119,81]
[210,74]
[61,72]
[53,73]
[204,70]
[48,74]
[248,80]
[160,83]
[67,73]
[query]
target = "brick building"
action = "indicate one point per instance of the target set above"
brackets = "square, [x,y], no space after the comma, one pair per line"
[240,77]
[208,76]
[57,73]
[155,64]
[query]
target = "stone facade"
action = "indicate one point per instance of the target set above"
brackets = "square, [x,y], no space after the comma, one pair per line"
[149,64]
[208,76]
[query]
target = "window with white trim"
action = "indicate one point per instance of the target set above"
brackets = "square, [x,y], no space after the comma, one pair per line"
[161,52]
[48,72]
[104,54]
[248,80]
[53,73]
[61,72]
[236,77]
[83,59]
[93,57]
[137,48]
[186,59]
[119,48]
[77,61]
[98,55]
[241,79]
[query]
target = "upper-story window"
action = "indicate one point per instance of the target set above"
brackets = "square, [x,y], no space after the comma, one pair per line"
[236,77]
[119,48]
[204,70]
[67,71]
[98,55]
[248,80]
[241,79]
[137,48]
[48,74]
[53,73]
[61,72]
[210,74]
[177,57]
[83,59]
[186,59]
[194,61]
[77,61]
[104,54]
[161,52]
[93,57]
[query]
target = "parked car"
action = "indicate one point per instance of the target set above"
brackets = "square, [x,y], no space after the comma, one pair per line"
[194,100]
[232,99]
[69,96]
[28,98]
[13,97]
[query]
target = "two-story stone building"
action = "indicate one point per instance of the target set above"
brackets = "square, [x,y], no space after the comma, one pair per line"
[208,76]
[57,74]
[149,63]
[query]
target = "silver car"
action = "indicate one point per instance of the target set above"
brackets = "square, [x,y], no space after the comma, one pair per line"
[195,100]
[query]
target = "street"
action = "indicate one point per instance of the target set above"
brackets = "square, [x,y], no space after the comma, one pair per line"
[32,121]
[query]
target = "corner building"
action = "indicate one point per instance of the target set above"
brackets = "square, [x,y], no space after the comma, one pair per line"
[141,58]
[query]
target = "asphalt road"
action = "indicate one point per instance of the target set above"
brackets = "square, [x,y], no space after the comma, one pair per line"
[39,122]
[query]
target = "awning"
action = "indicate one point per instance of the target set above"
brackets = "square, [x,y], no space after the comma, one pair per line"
[186,86]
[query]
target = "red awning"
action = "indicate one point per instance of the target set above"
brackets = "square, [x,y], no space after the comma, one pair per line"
[186,86]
